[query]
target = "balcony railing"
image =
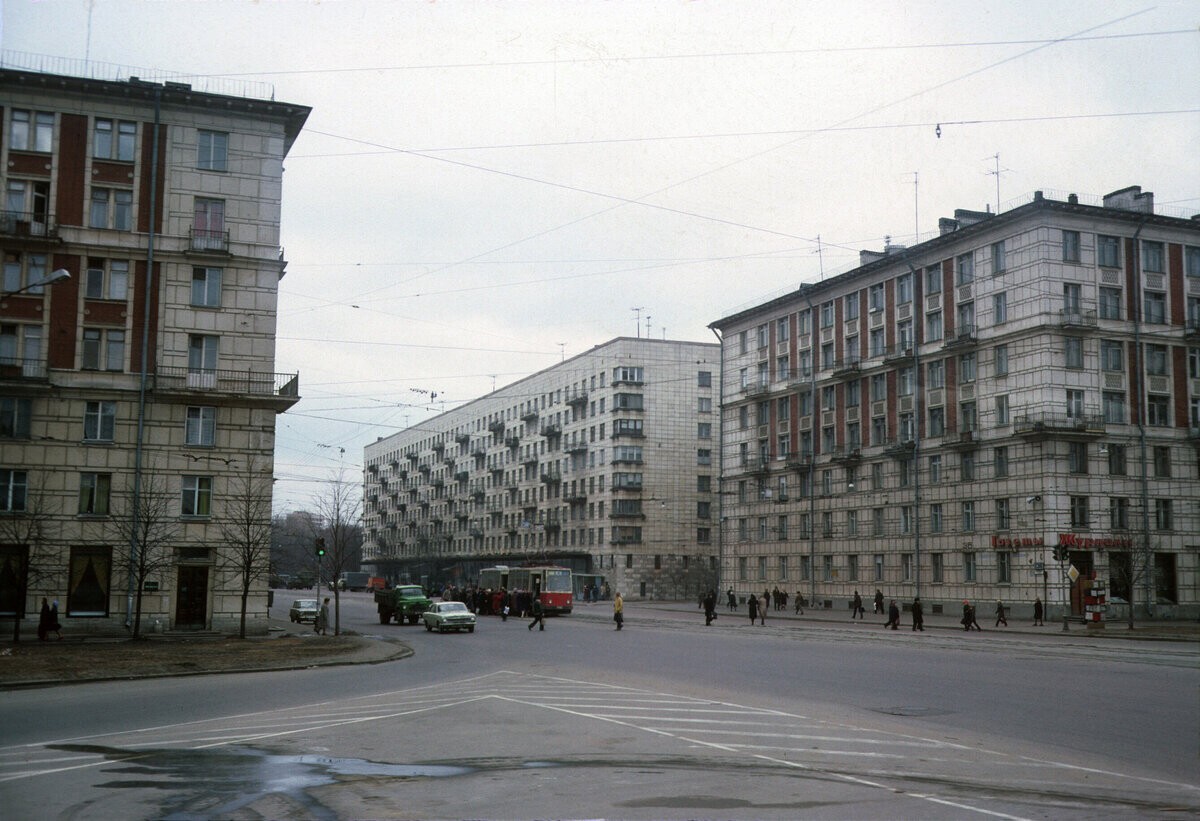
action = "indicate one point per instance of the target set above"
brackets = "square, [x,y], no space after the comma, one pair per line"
[209,241]
[244,383]
[847,366]
[1077,319]
[964,335]
[27,225]
[12,367]
[1039,423]
[756,389]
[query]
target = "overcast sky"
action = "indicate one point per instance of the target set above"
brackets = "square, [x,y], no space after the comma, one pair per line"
[484,188]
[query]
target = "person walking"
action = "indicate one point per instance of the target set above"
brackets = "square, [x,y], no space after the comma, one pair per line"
[762,608]
[538,614]
[878,602]
[1038,612]
[893,616]
[731,600]
[619,610]
[918,613]
[856,608]
[44,620]
[710,607]
[1001,616]
[752,606]
[968,619]
[321,624]
[799,604]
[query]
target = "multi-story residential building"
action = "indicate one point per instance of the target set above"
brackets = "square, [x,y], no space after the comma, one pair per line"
[605,463]
[1010,410]
[138,397]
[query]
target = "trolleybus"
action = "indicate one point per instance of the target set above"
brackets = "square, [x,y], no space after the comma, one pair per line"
[552,583]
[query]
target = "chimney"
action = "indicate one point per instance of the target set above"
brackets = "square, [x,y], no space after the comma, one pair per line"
[1131,199]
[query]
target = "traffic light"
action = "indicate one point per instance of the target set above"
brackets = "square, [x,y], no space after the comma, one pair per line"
[320,548]
[1060,553]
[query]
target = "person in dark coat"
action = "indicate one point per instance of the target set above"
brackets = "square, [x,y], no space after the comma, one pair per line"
[878,602]
[1001,616]
[45,621]
[538,614]
[968,619]
[710,607]
[856,608]
[731,600]
[799,604]
[1038,612]
[918,613]
[893,616]
[752,606]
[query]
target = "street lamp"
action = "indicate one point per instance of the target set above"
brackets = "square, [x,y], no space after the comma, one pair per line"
[50,279]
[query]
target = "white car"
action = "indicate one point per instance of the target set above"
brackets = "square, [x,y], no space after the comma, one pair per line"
[449,615]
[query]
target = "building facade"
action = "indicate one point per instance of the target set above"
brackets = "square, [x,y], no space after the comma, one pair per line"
[138,397]
[1010,411]
[605,463]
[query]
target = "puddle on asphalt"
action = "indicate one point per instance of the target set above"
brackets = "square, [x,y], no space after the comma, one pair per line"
[229,778]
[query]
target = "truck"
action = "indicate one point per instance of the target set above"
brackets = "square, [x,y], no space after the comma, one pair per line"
[353,580]
[404,601]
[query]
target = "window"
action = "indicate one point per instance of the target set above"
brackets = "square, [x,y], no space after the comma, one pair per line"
[1000,360]
[1079,512]
[212,148]
[14,485]
[1003,567]
[877,521]
[202,353]
[933,326]
[804,323]
[1074,403]
[621,401]
[1114,407]
[704,430]
[703,482]
[998,262]
[704,404]
[627,480]
[935,469]
[1108,251]
[1112,355]
[197,496]
[966,367]
[1162,462]
[106,280]
[827,360]
[28,200]
[208,225]
[937,565]
[966,467]
[850,307]
[854,392]
[782,330]
[111,208]
[935,375]
[1164,578]
[827,315]
[704,379]
[904,289]
[875,342]
[1158,410]
[1077,457]
[1000,308]
[933,279]
[906,519]
[781,528]
[1118,513]
[877,563]
[1163,515]
[94,489]
[852,525]
[15,413]
[1156,360]
[852,568]
[764,336]
[103,350]
[966,318]
[904,335]
[99,421]
[113,140]
[853,435]
[1070,246]
[1002,417]
[935,518]
[703,457]
[968,418]
[88,583]
[1073,352]
[200,428]
[964,267]
[31,131]
[1000,462]
[1152,257]
[1155,307]
[968,517]
[783,370]
[968,566]
[875,297]
[1110,303]
[906,378]
[206,287]
[1117,460]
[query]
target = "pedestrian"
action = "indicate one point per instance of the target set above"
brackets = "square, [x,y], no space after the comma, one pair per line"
[710,607]
[893,616]
[799,604]
[1001,616]
[762,609]
[1038,612]
[54,625]
[878,602]
[538,614]
[731,600]
[44,620]
[856,608]
[968,619]
[321,623]
[752,606]
[619,610]
[918,615]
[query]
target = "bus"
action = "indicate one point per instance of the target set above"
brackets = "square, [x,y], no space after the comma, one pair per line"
[551,583]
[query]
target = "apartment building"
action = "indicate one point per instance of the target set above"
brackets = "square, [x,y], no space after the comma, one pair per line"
[138,396]
[1010,410]
[605,463]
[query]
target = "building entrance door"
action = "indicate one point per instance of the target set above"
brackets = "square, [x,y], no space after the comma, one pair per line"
[1083,562]
[191,600]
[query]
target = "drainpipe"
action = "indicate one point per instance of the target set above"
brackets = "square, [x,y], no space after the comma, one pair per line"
[720,461]
[1140,365]
[919,417]
[141,419]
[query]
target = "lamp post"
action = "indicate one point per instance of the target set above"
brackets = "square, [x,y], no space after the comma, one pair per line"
[50,279]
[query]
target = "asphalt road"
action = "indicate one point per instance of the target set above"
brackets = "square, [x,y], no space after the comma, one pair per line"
[665,719]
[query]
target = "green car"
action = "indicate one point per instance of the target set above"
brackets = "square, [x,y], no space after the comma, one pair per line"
[405,601]
[449,615]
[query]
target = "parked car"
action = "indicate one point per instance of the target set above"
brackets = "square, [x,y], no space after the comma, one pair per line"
[449,615]
[304,610]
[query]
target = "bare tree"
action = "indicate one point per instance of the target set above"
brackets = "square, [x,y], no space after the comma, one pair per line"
[246,534]
[338,508]
[1130,569]
[27,531]
[146,522]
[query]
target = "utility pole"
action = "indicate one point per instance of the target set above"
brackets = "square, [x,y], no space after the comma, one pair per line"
[638,312]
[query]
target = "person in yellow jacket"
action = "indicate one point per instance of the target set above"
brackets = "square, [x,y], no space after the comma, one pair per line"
[619,610]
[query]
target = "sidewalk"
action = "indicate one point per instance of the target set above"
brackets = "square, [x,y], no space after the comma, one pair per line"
[1182,631]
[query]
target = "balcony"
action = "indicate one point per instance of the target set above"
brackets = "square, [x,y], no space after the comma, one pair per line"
[206,241]
[462,438]
[756,389]
[574,497]
[1077,320]
[529,416]
[576,447]
[181,379]
[551,431]
[1192,329]
[577,397]
[799,461]
[424,469]
[801,379]
[1048,424]
[551,476]
[895,354]
[900,447]
[756,464]
[461,475]
[849,366]
[965,440]
[513,441]
[28,229]
[965,337]
[844,453]
[439,447]
[530,461]
[496,426]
